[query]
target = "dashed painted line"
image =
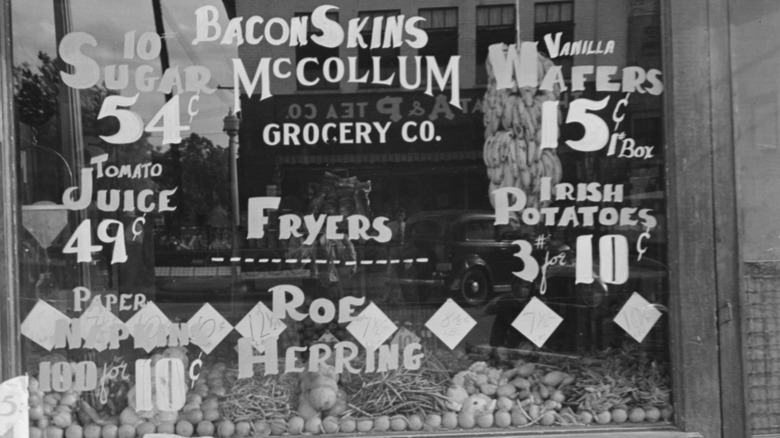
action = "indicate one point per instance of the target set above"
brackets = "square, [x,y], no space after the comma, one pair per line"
[319,261]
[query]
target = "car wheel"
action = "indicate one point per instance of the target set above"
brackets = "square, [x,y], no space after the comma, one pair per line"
[474,287]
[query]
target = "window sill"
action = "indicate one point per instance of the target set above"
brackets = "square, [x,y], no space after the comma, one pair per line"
[555,432]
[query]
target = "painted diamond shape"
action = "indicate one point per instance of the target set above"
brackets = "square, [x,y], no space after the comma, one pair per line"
[146,324]
[371,327]
[97,323]
[260,325]
[208,328]
[41,324]
[537,322]
[451,323]
[637,317]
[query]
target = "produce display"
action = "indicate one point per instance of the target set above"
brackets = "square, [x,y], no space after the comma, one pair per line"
[513,136]
[615,386]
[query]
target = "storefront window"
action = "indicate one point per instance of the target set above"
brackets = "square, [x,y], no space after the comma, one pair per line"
[554,19]
[377,54]
[209,249]
[495,24]
[441,25]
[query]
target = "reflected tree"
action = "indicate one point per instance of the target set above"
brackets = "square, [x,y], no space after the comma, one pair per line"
[203,182]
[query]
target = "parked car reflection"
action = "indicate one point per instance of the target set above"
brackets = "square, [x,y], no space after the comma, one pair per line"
[467,257]
[462,255]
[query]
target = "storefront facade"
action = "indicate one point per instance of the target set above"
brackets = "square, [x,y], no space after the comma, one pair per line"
[376,231]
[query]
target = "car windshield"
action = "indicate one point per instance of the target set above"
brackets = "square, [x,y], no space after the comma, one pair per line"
[425,228]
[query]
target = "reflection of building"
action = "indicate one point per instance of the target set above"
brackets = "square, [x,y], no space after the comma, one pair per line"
[448,172]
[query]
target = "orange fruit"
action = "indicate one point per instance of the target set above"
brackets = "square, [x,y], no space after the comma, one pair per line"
[74,431]
[548,418]
[398,423]
[210,415]
[348,425]
[205,428]
[485,421]
[518,417]
[243,428]
[466,420]
[295,425]
[146,428]
[126,431]
[365,425]
[226,428]
[619,415]
[415,422]
[652,414]
[92,431]
[586,417]
[330,425]
[184,428]
[210,403]
[637,415]
[194,416]
[382,424]
[167,427]
[503,419]
[433,421]
[109,431]
[603,417]
[449,420]
[54,432]
[313,425]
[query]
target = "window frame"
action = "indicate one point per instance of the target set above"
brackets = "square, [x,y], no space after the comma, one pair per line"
[451,32]
[701,208]
[361,52]
[565,26]
[480,77]
[10,318]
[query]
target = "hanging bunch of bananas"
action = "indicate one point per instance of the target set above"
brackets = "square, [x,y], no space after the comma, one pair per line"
[513,130]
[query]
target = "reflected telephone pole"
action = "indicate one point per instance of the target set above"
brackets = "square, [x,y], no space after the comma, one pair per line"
[165,63]
[231,125]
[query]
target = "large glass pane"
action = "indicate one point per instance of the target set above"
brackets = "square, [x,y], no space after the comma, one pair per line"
[423,252]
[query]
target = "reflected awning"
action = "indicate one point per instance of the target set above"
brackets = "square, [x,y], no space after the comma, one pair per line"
[405,157]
